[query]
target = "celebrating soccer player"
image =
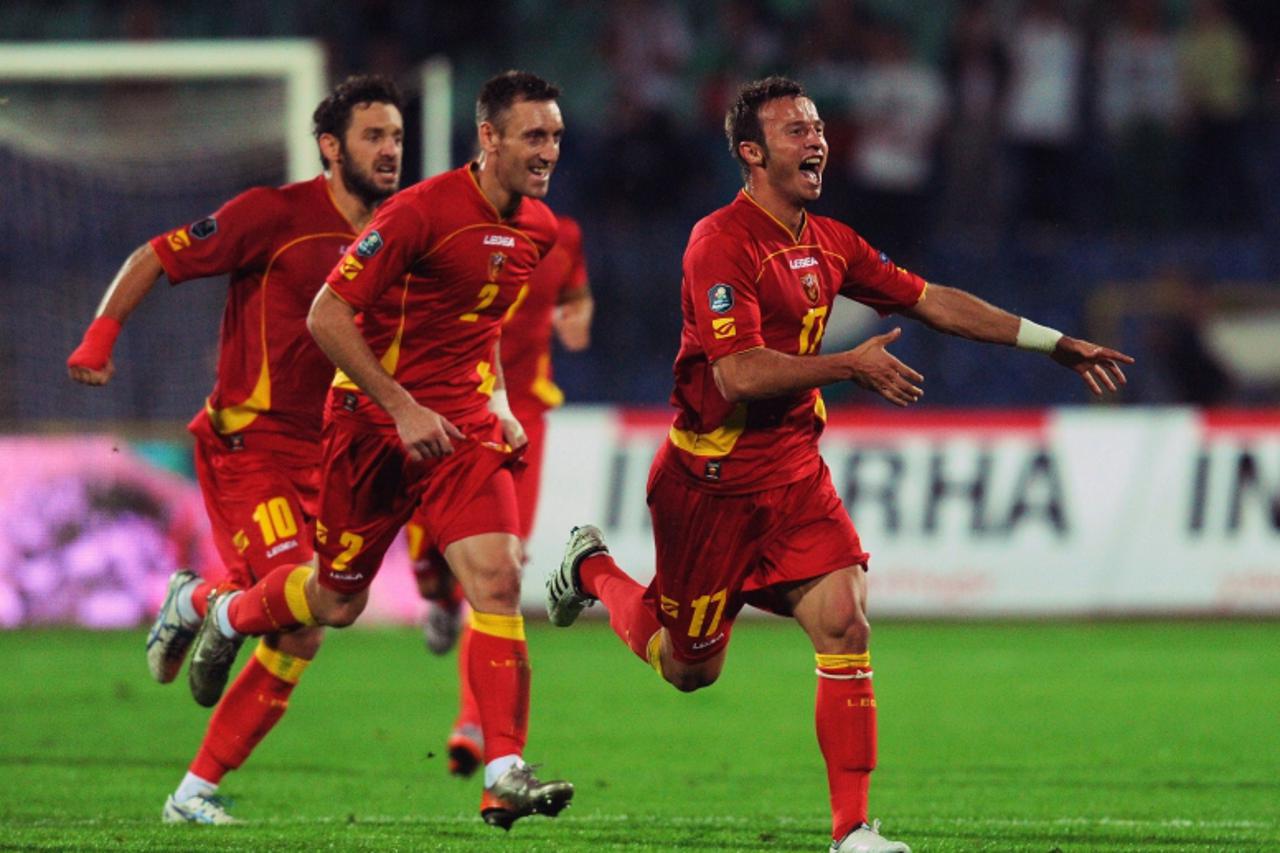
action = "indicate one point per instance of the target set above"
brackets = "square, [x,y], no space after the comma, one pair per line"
[258,437]
[743,507]
[411,316]
[557,297]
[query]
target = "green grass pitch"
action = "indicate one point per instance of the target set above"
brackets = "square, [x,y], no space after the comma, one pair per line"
[993,736]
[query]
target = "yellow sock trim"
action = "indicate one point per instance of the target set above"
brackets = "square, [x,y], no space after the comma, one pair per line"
[497,625]
[283,666]
[653,650]
[843,661]
[295,594]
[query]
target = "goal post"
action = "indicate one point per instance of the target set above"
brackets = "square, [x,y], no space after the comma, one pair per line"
[299,63]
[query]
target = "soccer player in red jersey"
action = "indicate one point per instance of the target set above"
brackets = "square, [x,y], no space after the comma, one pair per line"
[258,437]
[411,316]
[743,507]
[557,297]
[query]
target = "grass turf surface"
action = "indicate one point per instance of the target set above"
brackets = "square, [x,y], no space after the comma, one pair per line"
[1006,736]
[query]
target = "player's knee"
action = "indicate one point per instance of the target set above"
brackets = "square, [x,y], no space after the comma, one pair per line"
[339,614]
[850,634]
[687,681]
[302,643]
[497,587]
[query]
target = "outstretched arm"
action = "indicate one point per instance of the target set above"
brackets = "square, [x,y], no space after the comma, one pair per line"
[957,312]
[760,373]
[332,323]
[91,362]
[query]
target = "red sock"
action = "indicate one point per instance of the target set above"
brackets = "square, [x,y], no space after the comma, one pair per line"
[253,704]
[275,603]
[845,714]
[629,616]
[498,669]
[200,597]
[468,711]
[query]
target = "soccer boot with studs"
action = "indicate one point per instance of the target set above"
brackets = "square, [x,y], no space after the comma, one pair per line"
[565,598]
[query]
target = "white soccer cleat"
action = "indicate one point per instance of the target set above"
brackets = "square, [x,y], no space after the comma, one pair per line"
[565,598]
[441,626]
[200,808]
[518,793]
[170,637]
[867,839]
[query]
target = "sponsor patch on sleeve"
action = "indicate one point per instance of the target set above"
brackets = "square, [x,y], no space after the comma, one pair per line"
[723,327]
[205,228]
[720,298]
[369,245]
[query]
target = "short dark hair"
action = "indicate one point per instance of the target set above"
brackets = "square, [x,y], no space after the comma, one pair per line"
[333,116]
[742,121]
[500,92]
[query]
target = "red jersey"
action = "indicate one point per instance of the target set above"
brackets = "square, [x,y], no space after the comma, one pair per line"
[431,279]
[749,282]
[278,244]
[526,333]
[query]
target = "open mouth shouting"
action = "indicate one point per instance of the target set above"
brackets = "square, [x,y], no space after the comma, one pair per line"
[811,169]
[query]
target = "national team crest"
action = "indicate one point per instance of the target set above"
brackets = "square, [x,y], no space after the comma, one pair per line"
[497,260]
[205,228]
[809,281]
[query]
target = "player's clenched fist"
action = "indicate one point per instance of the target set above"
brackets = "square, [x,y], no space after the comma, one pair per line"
[91,363]
[425,433]
[877,369]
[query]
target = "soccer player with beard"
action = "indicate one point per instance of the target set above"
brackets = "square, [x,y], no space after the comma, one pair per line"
[743,507]
[557,298]
[411,316]
[258,437]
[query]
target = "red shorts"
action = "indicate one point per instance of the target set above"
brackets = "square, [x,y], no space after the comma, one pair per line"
[425,556]
[370,488]
[261,504]
[716,553]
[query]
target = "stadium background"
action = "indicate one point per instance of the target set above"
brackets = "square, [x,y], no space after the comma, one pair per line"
[1125,187]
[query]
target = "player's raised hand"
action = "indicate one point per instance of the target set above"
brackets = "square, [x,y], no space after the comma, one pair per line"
[572,322]
[878,370]
[425,433]
[1098,366]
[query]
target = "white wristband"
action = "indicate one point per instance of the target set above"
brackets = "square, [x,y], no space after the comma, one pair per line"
[500,406]
[1035,337]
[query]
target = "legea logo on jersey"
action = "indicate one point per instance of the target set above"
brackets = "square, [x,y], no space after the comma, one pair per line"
[802,263]
[720,297]
[504,240]
[350,267]
[205,228]
[370,245]
[724,327]
[179,240]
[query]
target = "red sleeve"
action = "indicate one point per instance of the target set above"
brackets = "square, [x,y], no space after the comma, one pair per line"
[874,280]
[570,240]
[396,238]
[239,236]
[722,287]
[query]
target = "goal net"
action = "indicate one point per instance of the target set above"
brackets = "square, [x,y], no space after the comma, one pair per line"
[102,146]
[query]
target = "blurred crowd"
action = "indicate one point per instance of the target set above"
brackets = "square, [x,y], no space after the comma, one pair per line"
[1030,150]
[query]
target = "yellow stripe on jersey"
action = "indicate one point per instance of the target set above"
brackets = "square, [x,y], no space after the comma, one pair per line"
[820,407]
[498,625]
[718,442]
[860,661]
[390,359]
[283,666]
[543,388]
[239,416]
[295,594]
